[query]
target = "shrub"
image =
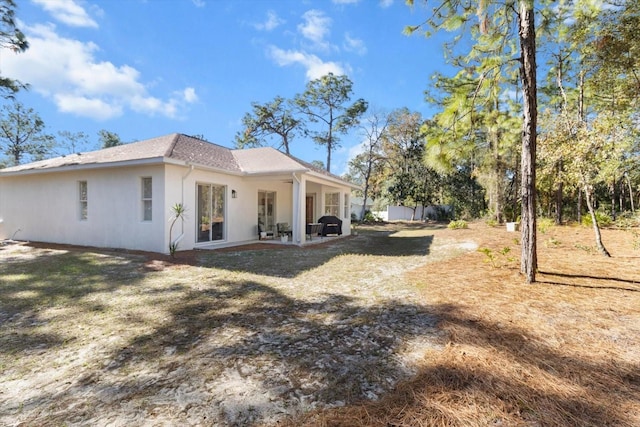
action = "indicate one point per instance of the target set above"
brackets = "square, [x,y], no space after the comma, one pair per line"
[494,257]
[603,218]
[544,224]
[370,217]
[456,225]
[627,220]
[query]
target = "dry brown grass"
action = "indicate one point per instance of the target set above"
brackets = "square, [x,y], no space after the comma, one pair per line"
[562,352]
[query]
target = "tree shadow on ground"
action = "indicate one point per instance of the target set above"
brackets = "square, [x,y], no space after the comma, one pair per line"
[289,261]
[53,279]
[592,277]
[253,353]
[220,362]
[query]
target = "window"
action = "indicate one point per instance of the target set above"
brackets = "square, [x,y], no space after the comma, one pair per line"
[346,206]
[147,199]
[84,204]
[332,204]
[211,204]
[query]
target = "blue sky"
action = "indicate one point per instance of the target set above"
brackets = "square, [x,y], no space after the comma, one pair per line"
[145,68]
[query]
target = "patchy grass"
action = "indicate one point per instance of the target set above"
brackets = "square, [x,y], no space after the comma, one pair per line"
[234,337]
[564,351]
[407,324]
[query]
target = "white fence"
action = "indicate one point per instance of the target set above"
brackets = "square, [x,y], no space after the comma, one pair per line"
[404,213]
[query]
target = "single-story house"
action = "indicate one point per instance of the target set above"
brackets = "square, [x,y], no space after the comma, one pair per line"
[121,197]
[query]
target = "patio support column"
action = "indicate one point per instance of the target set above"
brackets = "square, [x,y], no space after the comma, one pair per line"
[298,225]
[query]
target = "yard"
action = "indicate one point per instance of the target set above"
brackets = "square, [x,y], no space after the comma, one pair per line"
[401,325]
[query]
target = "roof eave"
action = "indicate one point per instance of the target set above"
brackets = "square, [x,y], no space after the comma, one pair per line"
[334,179]
[86,166]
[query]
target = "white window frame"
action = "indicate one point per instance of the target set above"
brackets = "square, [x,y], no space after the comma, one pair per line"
[347,207]
[146,199]
[205,232]
[83,200]
[331,208]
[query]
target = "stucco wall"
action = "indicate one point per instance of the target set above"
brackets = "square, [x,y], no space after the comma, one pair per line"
[45,208]
[241,213]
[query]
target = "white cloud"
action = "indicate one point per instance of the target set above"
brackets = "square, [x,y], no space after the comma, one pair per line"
[67,71]
[272,22]
[90,107]
[316,27]
[199,3]
[345,1]
[315,66]
[189,95]
[386,3]
[68,12]
[354,45]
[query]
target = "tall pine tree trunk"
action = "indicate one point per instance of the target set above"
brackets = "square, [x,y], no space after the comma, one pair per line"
[526,30]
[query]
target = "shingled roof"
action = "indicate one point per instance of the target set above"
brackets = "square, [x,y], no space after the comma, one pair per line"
[181,148]
[174,146]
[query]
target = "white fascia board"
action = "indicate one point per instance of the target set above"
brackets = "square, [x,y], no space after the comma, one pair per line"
[205,167]
[287,172]
[334,180]
[86,166]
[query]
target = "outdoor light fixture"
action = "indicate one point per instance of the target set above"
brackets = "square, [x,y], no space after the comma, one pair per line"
[234,194]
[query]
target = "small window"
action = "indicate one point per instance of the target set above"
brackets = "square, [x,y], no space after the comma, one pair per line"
[332,204]
[147,204]
[346,206]
[83,200]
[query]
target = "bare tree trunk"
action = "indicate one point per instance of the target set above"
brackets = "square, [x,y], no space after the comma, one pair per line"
[630,193]
[612,193]
[559,194]
[526,29]
[579,203]
[594,221]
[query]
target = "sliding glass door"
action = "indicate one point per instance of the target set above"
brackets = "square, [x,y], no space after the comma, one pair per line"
[211,201]
[266,210]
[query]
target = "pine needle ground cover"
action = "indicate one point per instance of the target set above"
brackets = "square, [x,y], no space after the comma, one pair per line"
[562,352]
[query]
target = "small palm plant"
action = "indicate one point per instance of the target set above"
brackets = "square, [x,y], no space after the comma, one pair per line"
[177,213]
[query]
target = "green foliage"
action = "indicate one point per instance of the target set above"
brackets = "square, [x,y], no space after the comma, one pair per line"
[552,242]
[178,212]
[491,222]
[22,134]
[325,101]
[108,139]
[13,39]
[267,120]
[604,219]
[636,239]
[627,220]
[458,224]
[497,258]
[544,224]
[371,217]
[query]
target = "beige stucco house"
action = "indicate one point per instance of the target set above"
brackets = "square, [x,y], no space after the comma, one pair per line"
[121,197]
